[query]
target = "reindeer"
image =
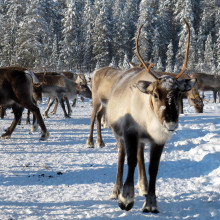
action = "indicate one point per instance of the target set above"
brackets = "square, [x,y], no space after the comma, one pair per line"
[142,107]
[16,90]
[207,82]
[80,79]
[55,85]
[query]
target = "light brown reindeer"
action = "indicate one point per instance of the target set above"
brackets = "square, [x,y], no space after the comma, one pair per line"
[142,107]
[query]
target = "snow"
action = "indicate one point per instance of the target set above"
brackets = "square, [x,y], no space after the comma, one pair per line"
[63,179]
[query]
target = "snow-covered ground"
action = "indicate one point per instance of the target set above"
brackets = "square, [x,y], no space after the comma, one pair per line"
[63,179]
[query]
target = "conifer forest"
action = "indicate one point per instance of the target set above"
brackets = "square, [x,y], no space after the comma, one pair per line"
[78,35]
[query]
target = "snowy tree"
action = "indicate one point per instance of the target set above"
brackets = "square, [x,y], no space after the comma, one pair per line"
[156,43]
[166,27]
[32,36]
[87,25]
[148,10]
[15,12]
[126,64]
[159,65]
[113,63]
[101,37]
[54,56]
[169,60]
[217,51]
[69,45]
[185,11]
[209,56]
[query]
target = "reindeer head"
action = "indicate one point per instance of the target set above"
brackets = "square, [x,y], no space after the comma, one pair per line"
[166,91]
[164,98]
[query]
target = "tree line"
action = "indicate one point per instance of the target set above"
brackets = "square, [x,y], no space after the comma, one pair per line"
[84,35]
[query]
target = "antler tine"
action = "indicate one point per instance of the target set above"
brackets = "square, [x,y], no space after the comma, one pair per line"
[139,56]
[150,65]
[187,51]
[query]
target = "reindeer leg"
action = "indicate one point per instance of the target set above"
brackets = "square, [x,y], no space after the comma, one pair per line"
[90,141]
[50,103]
[126,197]
[150,204]
[74,102]
[61,100]
[120,170]
[214,96]
[142,178]
[99,141]
[17,110]
[36,112]
[55,107]
[68,106]
[28,117]
[34,125]
[181,105]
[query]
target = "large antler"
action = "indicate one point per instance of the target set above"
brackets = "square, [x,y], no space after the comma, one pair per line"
[187,51]
[140,58]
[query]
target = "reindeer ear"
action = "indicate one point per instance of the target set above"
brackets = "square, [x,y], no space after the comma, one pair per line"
[186,84]
[145,86]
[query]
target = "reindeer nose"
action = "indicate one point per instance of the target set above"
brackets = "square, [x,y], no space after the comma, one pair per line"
[170,126]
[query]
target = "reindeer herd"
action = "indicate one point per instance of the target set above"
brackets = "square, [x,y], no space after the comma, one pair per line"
[141,106]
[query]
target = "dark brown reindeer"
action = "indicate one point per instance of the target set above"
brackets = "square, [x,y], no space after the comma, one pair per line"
[143,108]
[207,82]
[16,90]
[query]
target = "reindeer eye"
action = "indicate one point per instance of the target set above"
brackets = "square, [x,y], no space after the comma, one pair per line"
[155,96]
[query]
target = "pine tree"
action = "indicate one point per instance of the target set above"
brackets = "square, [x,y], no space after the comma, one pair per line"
[126,64]
[209,56]
[156,43]
[101,37]
[32,36]
[217,51]
[87,25]
[15,11]
[147,13]
[69,45]
[184,10]
[169,60]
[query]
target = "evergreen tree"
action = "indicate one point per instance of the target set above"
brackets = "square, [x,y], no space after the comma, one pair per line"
[147,14]
[87,25]
[186,12]
[156,43]
[15,12]
[159,66]
[69,44]
[217,51]
[169,60]
[126,64]
[32,36]
[101,37]
[209,56]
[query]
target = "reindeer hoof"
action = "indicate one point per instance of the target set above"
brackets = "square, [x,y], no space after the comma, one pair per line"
[125,207]
[90,144]
[125,203]
[6,136]
[45,136]
[149,207]
[100,144]
[114,196]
